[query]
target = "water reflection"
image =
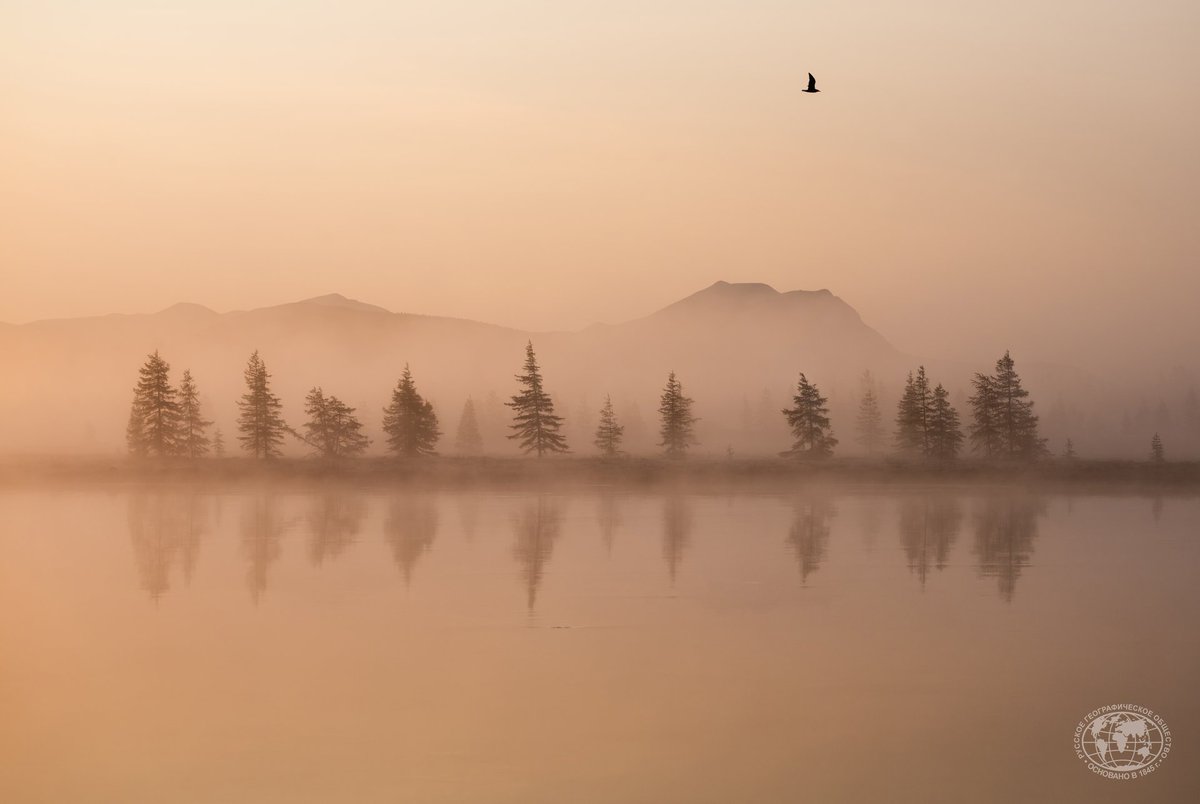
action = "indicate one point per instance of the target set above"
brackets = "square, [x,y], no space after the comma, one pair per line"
[334,521]
[165,530]
[929,526]
[262,540]
[410,528]
[809,535]
[537,527]
[608,517]
[677,531]
[1005,530]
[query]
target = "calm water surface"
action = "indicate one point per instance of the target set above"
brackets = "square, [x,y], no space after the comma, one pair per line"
[288,645]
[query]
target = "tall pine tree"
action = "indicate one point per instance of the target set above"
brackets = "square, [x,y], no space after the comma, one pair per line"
[912,415]
[534,425]
[1004,424]
[468,440]
[1157,454]
[809,420]
[332,428]
[1017,421]
[135,431]
[609,433]
[945,433]
[260,424]
[409,420]
[154,418]
[985,432]
[218,443]
[676,422]
[193,442]
[869,423]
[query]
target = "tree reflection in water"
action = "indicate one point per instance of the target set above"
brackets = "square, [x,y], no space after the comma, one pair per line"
[536,527]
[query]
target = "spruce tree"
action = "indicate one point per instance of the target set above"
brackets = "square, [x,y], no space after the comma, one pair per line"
[468,440]
[192,440]
[1015,419]
[912,415]
[135,431]
[677,424]
[332,428]
[218,443]
[1069,450]
[869,423]
[260,422]
[609,433]
[945,433]
[1157,455]
[534,424]
[154,419]
[985,429]
[409,421]
[809,420]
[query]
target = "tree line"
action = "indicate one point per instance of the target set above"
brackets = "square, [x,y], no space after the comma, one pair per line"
[168,421]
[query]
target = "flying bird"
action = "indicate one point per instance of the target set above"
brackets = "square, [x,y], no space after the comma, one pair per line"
[812,84]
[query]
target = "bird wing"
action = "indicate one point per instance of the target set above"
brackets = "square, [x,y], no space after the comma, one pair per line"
[812,82]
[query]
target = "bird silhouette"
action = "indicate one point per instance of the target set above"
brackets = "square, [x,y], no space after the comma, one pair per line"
[812,84]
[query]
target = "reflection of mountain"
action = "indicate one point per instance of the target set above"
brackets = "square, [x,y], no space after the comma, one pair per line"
[262,541]
[410,528]
[165,530]
[334,521]
[677,532]
[1005,530]
[809,534]
[928,529]
[537,529]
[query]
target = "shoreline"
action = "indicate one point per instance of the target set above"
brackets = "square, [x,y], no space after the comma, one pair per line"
[568,471]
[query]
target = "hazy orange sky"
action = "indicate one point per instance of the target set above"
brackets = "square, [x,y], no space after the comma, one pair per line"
[1020,174]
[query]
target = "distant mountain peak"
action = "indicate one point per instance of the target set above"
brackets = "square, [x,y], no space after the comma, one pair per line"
[754,298]
[743,288]
[340,301]
[187,308]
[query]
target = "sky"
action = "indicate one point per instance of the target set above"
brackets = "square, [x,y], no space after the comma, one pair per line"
[973,176]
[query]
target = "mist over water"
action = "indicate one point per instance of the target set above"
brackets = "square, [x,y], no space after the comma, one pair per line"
[296,642]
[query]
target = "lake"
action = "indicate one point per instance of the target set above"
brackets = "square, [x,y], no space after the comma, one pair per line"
[320,644]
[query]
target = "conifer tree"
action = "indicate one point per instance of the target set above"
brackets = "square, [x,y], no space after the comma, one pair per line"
[945,433]
[332,428]
[534,425]
[218,443]
[1069,450]
[468,440]
[677,424]
[985,430]
[609,433]
[869,424]
[1157,455]
[192,440]
[135,432]
[260,422]
[409,420]
[1015,419]
[154,419]
[912,415]
[809,420]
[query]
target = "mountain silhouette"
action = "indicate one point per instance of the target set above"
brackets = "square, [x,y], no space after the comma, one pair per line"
[727,342]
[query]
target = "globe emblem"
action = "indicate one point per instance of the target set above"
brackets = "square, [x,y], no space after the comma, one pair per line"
[1122,740]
